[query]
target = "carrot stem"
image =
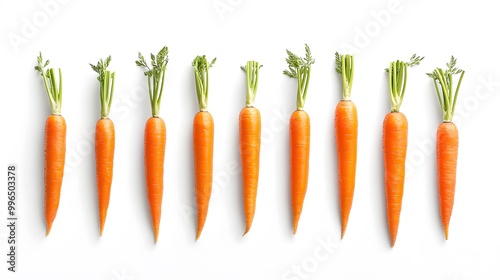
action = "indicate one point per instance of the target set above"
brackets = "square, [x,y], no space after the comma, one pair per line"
[300,69]
[156,77]
[52,86]
[252,74]
[200,67]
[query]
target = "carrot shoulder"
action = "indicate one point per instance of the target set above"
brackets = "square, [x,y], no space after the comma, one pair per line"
[346,136]
[55,141]
[203,142]
[104,139]
[250,129]
[300,69]
[395,142]
[447,138]
[155,135]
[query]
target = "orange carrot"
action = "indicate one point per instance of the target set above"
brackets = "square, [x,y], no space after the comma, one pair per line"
[447,139]
[346,135]
[104,139]
[55,142]
[203,142]
[395,142]
[155,136]
[300,69]
[250,144]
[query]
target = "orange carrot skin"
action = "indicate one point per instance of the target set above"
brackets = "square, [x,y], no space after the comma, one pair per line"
[55,151]
[346,135]
[250,127]
[154,155]
[104,155]
[299,161]
[203,147]
[447,153]
[395,142]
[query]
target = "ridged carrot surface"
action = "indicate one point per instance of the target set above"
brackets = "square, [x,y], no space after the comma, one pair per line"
[395,142]
[203,145]
[154,156]
[447,155]
[346,135]
[55,151]
[300,132]
[104,157]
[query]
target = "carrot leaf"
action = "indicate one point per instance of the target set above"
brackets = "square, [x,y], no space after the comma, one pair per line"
[106,80]
[252,72]
[156,77]
[443,82]
[201,66]
[398,73]
[345,66]
[53,87]
[300,69]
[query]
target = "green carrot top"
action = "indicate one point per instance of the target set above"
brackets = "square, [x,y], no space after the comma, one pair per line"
[345,67]
[252,72]
[52,86]
[156,77]
[201,66]
[300,69]
[106,80]
[397,79]
[447,98]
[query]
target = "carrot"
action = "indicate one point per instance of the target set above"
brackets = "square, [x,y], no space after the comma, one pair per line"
[104,139]
[203,142]
[250,144]
[346,136]
[155,135]
[300,69]
[395,142]
[55,141]
[447,139]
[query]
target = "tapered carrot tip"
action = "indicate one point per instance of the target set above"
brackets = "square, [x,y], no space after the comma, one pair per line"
[49,227]
[446,232]
[343,233]
[198,234]
[295,223]
[246,231]
[156,232]
[393,239]
[101,229]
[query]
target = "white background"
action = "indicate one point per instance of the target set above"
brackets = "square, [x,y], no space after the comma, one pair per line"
[75,33]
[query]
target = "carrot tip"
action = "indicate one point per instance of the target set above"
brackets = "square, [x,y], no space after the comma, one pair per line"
[198,234]
[246,231]
[446,233]
[393,243]
[49,227]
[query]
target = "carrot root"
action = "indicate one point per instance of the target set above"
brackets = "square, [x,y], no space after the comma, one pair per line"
[299,162]
[395,141]
[154,155]
[346,135]
[447,154]
[203,142]
[55,151]
[250,126]
[104,154]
